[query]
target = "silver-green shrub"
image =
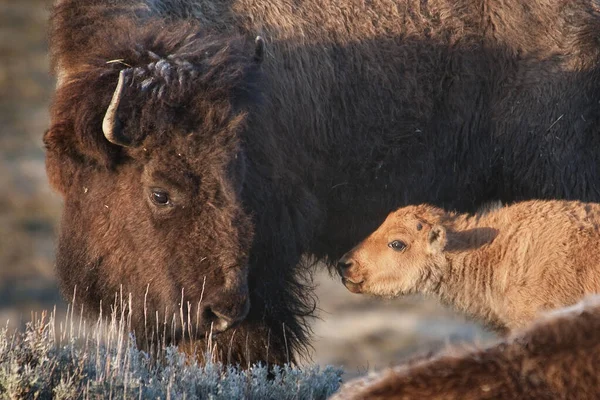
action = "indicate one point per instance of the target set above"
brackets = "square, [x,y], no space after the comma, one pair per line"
[104,362]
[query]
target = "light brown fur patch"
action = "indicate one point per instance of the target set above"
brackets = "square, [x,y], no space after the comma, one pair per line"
[502,267]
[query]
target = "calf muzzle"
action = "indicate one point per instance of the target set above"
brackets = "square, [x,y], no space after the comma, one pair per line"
[345,270]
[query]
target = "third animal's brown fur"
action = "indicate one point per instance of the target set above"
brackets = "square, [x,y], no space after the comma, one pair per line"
[502,267]
[556,358]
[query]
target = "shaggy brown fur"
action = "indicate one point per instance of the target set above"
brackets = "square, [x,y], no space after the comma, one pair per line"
[555,358]
[356,109]
[502,267]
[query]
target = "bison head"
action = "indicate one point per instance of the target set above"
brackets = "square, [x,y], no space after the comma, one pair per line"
[147,148]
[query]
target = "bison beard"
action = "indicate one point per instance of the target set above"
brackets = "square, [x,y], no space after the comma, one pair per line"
[223,161]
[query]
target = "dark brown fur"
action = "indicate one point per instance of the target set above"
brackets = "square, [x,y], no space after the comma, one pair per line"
[358,108]
[556,358]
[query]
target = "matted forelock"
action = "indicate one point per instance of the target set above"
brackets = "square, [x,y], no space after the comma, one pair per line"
[164,72]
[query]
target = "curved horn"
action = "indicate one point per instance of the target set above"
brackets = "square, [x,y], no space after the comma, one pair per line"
[111,126]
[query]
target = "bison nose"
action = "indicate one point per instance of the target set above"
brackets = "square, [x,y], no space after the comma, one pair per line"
[343,265]
[222,320]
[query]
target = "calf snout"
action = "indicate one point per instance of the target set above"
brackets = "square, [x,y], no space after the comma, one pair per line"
[349,272]
[344,264]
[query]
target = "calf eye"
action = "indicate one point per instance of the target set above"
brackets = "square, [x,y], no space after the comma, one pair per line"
[397,245]
[160,197]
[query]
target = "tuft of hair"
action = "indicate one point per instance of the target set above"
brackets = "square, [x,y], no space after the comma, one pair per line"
[488,207]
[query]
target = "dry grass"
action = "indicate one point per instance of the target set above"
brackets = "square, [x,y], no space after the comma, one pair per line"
[73,358]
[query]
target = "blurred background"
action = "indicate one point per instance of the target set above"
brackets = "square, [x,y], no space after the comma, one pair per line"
[356,332]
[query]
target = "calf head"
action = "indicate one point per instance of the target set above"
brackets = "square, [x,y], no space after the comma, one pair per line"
[400,257]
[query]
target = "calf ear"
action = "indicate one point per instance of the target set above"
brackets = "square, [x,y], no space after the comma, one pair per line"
[437,239]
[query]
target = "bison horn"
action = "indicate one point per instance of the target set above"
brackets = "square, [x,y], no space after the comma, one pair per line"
[259,51]
[111,126]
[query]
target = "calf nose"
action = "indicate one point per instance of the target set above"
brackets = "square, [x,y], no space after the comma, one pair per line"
[344,264]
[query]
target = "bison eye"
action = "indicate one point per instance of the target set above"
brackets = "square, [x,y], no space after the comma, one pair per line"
[397,245]
[160,197]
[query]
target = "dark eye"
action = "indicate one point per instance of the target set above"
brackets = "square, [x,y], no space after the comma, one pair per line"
[397,245]
[160,197]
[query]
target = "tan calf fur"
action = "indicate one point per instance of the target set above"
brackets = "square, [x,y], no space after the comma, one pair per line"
[501,267]
[557,357]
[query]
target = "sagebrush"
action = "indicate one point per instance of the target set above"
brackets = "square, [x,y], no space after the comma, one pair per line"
[73,359]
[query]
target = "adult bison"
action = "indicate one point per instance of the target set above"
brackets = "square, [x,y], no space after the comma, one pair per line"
[197,162]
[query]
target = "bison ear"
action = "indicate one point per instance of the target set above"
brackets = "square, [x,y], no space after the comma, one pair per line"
[259,50]
[436,240]
[61,163]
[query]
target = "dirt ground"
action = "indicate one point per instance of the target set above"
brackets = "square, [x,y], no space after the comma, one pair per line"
[355,332]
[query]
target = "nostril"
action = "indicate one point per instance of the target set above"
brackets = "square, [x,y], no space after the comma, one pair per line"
[221,321]
[343,265]
[221,317]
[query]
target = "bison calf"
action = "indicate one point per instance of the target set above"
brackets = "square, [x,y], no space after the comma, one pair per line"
[501,267]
